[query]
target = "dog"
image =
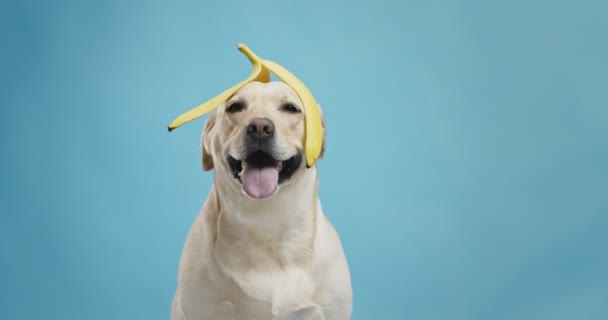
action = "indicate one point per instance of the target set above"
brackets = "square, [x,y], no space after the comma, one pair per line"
[261,247]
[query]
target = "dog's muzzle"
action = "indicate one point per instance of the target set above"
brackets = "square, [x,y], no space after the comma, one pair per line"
[260,172]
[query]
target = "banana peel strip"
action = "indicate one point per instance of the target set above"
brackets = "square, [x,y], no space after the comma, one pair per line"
[260,72]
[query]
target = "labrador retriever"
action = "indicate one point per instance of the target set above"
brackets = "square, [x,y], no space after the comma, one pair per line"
[261,248]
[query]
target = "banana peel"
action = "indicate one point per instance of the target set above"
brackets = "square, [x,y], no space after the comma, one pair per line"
[261,72]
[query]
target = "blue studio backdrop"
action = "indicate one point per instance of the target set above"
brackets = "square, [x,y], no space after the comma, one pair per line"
[466,167]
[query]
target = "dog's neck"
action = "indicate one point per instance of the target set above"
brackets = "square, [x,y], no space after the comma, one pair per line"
[275,232]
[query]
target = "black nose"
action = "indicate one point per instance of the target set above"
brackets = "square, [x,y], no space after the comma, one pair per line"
[260,128]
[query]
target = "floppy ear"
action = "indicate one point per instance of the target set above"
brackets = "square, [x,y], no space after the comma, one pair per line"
[206,139]
[324,132]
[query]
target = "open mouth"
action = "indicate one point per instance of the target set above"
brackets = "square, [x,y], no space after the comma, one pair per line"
[261,174]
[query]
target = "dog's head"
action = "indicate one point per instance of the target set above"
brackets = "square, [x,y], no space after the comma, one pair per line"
[256,138]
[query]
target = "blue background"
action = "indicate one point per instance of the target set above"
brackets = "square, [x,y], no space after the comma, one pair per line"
[466,167]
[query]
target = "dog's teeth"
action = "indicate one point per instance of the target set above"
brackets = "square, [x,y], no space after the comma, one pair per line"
[280,165]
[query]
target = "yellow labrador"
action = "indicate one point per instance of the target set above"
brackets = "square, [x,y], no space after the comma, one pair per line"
[261,248]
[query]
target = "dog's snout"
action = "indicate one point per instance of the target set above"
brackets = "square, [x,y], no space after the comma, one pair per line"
[260,128]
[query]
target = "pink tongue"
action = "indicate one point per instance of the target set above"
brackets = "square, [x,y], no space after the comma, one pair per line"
[260,183]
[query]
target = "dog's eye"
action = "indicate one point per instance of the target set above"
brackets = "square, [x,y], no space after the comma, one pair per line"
[235,107]
[290,108]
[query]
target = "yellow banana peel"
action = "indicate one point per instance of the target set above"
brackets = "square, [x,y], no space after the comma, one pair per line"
[261,72]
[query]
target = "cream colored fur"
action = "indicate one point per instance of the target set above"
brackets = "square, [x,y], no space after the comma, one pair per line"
[276,258]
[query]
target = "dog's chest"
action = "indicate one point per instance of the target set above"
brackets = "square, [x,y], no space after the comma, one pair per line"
[279,292]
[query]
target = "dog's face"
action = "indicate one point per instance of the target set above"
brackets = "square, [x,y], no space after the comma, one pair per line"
[256,138]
